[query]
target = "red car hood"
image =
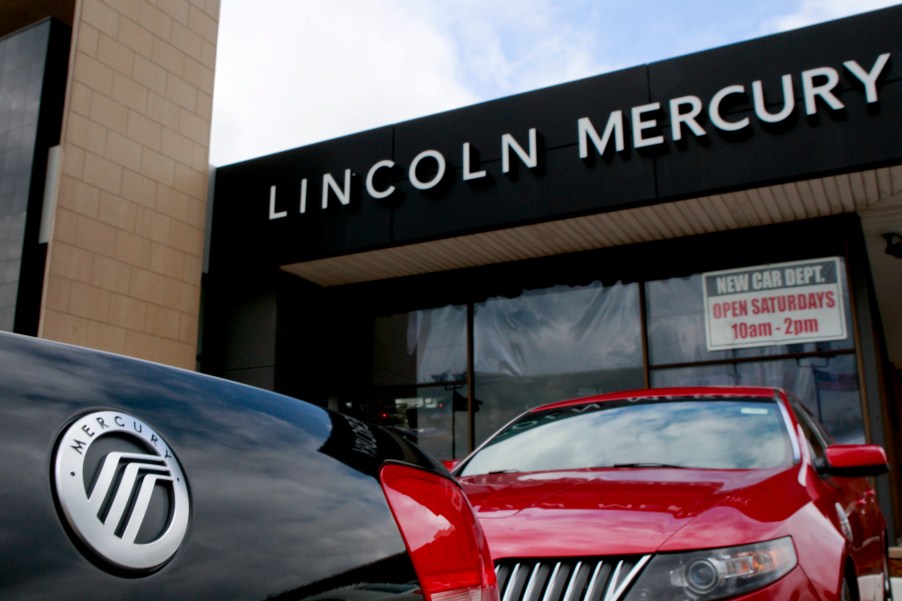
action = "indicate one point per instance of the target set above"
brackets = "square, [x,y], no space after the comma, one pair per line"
[631,511]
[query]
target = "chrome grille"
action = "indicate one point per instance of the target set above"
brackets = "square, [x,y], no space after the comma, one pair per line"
[567,579]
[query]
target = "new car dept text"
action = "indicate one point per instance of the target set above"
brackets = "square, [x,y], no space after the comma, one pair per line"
[428,169]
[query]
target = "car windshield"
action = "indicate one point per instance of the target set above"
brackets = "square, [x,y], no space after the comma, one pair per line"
[709,433]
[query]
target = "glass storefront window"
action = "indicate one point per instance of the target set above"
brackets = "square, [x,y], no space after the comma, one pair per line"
[422,347]
[571,341]
[827,385]
[823,374]
[676,321]
[420,371]
[676,326]
[553,344]
[435,417]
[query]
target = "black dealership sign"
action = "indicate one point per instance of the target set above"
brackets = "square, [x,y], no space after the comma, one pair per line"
[821,100]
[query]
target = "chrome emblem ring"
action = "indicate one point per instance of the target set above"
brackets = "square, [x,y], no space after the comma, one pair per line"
[121,490]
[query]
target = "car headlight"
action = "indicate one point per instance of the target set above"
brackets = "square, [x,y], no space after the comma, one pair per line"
[714,573]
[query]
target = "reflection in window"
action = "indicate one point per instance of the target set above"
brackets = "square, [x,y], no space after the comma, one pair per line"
[572,341]
[828,386]
[676,326]
[553,344]
[419,371]
[434,417]
[24,58]
[676,321]
[709,434]
[825,380]
[422,347]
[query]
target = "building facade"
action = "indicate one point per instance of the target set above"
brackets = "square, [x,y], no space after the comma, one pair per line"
[727,217]
[105,111]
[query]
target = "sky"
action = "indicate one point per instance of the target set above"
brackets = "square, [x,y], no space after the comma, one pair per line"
[294,72]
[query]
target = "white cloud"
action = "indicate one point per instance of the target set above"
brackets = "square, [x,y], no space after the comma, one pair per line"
[335,68]
[509,46]
[295,72]
[292,73]
[818,11]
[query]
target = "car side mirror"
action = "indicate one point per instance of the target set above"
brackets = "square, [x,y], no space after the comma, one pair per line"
[450,464]
[854,460]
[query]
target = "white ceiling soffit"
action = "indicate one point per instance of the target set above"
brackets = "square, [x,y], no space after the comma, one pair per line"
[877,191]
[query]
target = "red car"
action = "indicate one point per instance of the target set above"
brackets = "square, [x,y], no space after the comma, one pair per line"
[679,494]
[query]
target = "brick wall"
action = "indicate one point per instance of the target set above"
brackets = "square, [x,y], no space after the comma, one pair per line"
[125,257]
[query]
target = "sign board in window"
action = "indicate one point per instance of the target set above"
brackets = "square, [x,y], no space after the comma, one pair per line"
[781,303]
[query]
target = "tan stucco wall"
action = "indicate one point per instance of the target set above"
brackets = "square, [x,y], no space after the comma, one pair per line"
[125,254]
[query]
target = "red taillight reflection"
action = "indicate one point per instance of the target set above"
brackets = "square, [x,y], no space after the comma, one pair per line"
[446,543]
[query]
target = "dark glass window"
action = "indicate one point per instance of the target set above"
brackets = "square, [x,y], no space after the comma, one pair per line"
[676,326]
[817,439]
[22,59]
[421,347]
[420,376]
[541,346]
[823,374]
[552,344]
[564,342]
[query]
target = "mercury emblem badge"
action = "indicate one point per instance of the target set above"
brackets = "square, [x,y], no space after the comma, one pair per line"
[121,491]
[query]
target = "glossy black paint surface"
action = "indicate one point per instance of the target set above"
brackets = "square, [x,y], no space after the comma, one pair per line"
[285,498]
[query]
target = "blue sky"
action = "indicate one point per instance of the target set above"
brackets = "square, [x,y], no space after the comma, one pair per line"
[294,72]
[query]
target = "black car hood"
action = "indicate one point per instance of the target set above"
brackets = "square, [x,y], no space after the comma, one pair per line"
[284,495]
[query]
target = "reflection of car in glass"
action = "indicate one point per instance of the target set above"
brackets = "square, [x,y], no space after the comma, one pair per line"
[123,480]
[678,494]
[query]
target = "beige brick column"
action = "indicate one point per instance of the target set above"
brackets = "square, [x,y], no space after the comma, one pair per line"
[125,254]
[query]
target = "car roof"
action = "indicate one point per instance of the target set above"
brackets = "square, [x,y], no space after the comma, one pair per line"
[675,391]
